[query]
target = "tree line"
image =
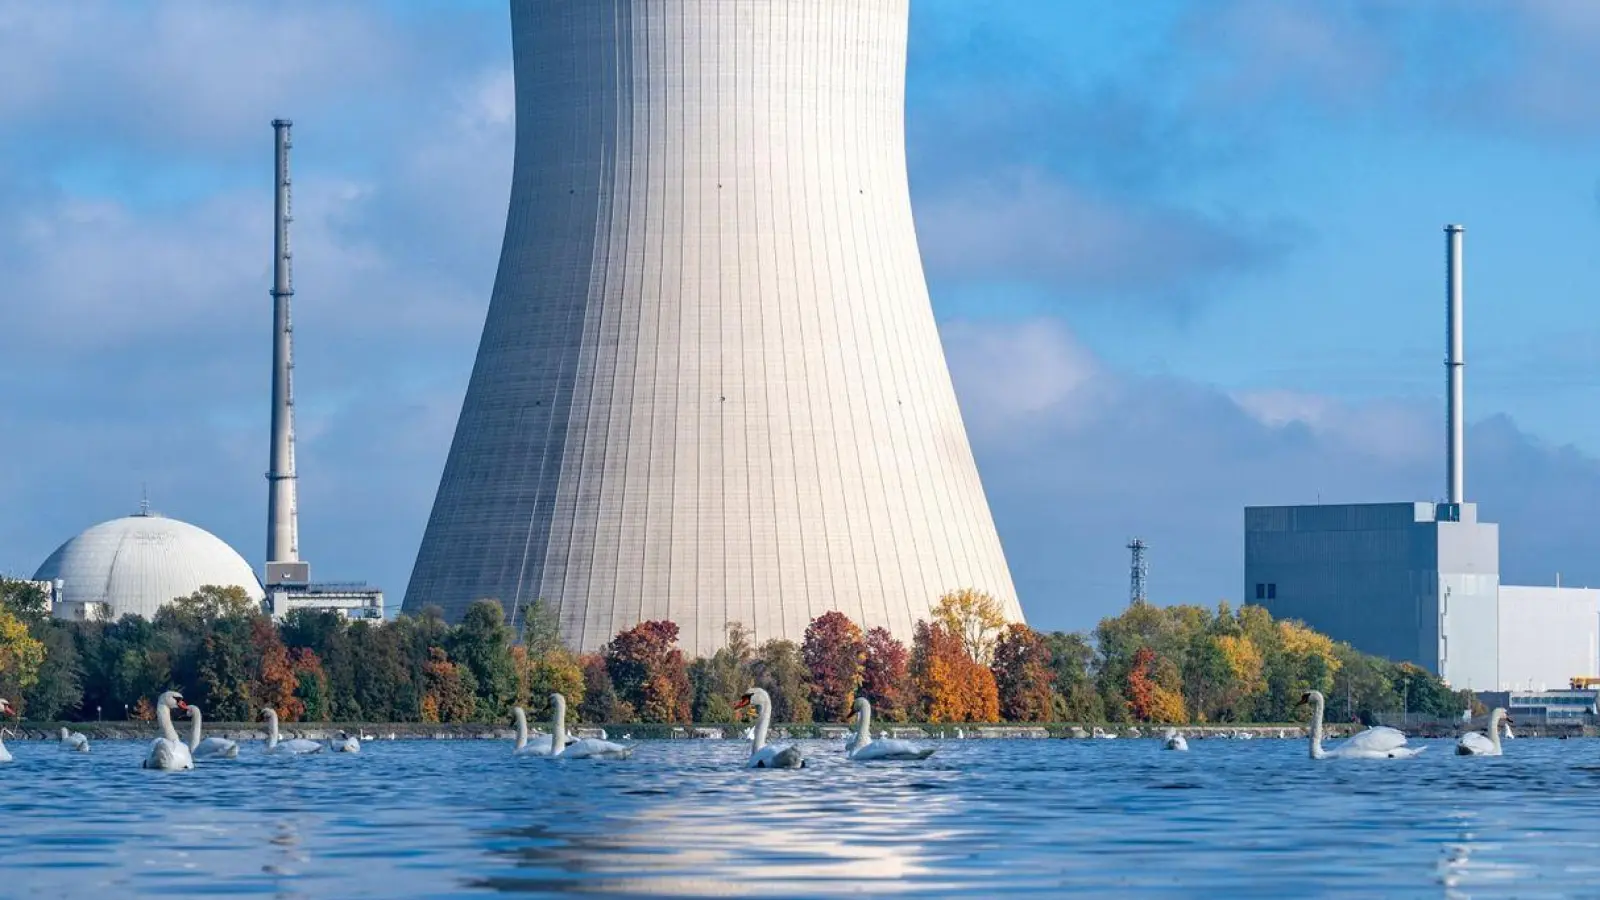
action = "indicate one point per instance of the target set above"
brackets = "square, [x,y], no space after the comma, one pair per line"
[1175,665]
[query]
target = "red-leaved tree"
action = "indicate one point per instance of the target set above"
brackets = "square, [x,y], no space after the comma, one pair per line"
[884,676]
[1023,675]
[833,652]
[648,671]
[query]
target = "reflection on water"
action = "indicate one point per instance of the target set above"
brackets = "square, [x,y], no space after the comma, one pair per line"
[429,819]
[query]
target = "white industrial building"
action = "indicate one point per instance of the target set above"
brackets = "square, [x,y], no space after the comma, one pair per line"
[710,386]
[1420,582]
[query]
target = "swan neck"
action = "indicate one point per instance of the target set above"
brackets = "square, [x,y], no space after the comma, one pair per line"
[522,728]
[164,719]
[1494,731]
[763,721]
[194,727]
[272,728]
[1316,729]
[864,727]
[558,726]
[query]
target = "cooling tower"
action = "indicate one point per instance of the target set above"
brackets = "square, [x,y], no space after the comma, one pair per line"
[710,387]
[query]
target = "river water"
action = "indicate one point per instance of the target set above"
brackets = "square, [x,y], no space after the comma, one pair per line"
[683,818]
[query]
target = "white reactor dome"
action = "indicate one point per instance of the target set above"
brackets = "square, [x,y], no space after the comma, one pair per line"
[139,563]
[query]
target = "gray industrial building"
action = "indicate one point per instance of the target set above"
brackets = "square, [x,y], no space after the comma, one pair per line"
[1420,582]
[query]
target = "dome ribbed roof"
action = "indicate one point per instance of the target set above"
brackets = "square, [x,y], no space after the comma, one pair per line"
[137,564]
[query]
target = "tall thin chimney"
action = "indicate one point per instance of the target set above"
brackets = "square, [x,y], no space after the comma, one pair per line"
[283,543]
[1455,369]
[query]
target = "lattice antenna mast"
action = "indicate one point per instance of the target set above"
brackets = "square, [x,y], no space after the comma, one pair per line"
[1138,572]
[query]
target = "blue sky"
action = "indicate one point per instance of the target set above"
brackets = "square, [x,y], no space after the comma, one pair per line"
[1185,255]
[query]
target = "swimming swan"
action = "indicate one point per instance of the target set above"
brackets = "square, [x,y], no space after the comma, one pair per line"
[211,747]
[5,707]
[542,745]
[73,741]
[1474,743]
[865,749]
[345,744]
[1175,741]
[761,755]
[291,747]
[1377,742]
[587,748]
[167,752]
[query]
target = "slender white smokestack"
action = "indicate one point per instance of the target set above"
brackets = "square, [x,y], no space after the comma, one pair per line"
[1455,368]
[282,537]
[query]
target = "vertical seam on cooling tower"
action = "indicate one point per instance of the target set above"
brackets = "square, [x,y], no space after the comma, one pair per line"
[808,384]
[544,450]
[855,303]
[833,308]
[775,578]
[636,29]
[762,16]
[794,156]
[645,297]
[889,292]
[726,125]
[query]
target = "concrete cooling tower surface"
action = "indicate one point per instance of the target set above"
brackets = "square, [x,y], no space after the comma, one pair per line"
[710,387]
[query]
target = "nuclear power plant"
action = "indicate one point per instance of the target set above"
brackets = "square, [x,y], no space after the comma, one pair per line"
[1419,582]
[710,387]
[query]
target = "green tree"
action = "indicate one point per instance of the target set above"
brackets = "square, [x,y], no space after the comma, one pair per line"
[1072,661]
[58,690]
[719,680]
[779,670]
[25,599]
[600,701]
[482,643]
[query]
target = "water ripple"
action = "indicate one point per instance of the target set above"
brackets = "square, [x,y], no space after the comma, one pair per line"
[683,818]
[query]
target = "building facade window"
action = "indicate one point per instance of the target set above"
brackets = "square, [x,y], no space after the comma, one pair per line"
[1272,592]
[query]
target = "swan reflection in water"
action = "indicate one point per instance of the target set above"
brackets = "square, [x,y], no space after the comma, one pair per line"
[828,828]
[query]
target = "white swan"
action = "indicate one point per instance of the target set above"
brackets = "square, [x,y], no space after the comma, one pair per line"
[1377,742]
[345,744]
[212,747]
[73,741]
[761,755]
[1474,743]
[1102,734]
[587,748]
[865,748]
[292,747]
[167,752]
[5,755]
[1175,741]
[542,745]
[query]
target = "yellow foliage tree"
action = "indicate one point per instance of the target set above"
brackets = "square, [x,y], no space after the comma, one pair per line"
[973,616]
[1301,642]
[1166,705]
[21,654]
[1244,662]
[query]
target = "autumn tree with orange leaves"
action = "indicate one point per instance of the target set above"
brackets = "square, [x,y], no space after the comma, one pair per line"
[448,694]
[275,681]
[1148,701]
[834,652]
[950,686]
[649,673]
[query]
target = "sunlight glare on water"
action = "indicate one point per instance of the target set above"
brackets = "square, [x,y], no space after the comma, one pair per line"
[683,818]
